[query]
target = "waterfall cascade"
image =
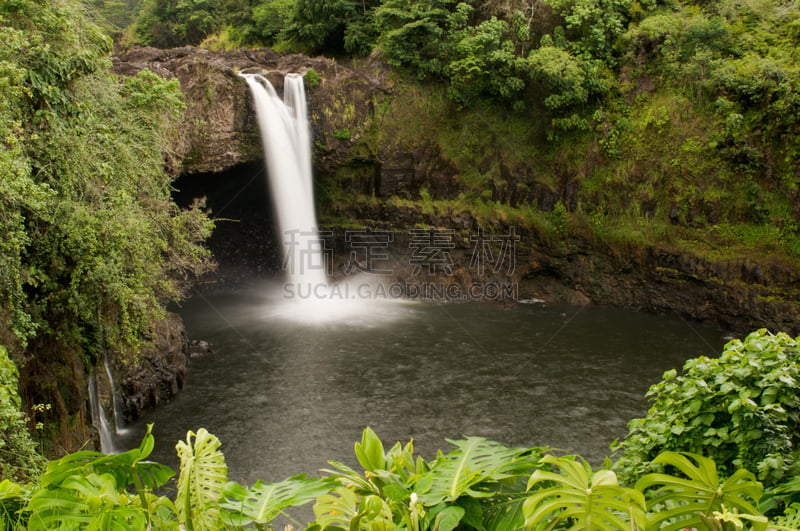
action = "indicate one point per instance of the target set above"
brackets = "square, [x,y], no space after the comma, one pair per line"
[116,400]
[99,420]
[286,139]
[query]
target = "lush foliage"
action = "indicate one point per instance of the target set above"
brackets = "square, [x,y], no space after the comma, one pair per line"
[480,485]
[92,246]
[741,409]
[685,113]
[19,457]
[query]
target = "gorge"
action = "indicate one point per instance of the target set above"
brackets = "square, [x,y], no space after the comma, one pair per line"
[394,182]
[521,217]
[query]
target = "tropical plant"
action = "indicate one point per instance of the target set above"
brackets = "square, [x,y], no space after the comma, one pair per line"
[92,245]
[581,497]
[480,485]
[19,457]
[89,489]
[13,497]
[262,503]
[701,496]
[168,23]
[742,410]
[202,478]
[478,482]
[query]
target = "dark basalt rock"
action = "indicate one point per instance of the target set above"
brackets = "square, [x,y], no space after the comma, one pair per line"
[220,133]
[219,129]
[158,372]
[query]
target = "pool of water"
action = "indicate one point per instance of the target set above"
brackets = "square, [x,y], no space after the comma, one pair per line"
[285,395]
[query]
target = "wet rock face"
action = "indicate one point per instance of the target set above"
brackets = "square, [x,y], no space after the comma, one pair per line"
[158,372]
[219,128]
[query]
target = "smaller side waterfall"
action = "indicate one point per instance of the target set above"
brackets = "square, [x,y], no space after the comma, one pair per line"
[99,420]
[116,399]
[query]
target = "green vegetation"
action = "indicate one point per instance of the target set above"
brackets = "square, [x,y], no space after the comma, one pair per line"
[478,485]
[91,245]
[741,409]
[669,123]
[615,123]
[19,456]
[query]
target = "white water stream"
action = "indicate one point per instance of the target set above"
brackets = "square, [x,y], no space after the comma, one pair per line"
[99,420]
[287,147]
[306,295]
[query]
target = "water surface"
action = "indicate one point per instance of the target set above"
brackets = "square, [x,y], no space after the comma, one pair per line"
[284,397]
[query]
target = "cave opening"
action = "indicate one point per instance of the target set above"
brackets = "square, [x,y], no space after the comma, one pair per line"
[244,242]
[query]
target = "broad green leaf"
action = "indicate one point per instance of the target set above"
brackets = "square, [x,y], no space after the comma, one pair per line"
[261,503]
[701,492]
[474,461]
[203,475]
[587,499]
[128,468]
[87,502]
[336,508]
[449,518]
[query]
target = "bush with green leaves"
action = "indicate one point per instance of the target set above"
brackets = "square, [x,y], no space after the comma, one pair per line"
[742,410]
[19,456]
[480,485]
[168,23]
[92,245]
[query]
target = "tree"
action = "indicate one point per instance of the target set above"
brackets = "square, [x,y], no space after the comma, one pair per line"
[169,23]
[333,26]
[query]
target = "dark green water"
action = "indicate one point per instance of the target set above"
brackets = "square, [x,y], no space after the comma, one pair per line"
[285,397]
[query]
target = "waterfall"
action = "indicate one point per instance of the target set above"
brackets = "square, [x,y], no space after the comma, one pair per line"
[286,140]
[107,444]
[116,400]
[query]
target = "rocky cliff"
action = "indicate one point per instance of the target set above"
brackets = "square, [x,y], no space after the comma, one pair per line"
[219,130]
[388,172]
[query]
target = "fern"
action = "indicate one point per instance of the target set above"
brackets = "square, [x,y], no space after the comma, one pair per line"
[203,475]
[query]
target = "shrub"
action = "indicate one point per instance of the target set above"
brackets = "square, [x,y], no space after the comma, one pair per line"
[742,410]
[19,458]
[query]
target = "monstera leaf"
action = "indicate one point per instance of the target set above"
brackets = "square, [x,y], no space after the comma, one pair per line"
[689,502]
[345,509]
[203,475]
[585,499]
[91,489]
[261,502]
[475,461]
